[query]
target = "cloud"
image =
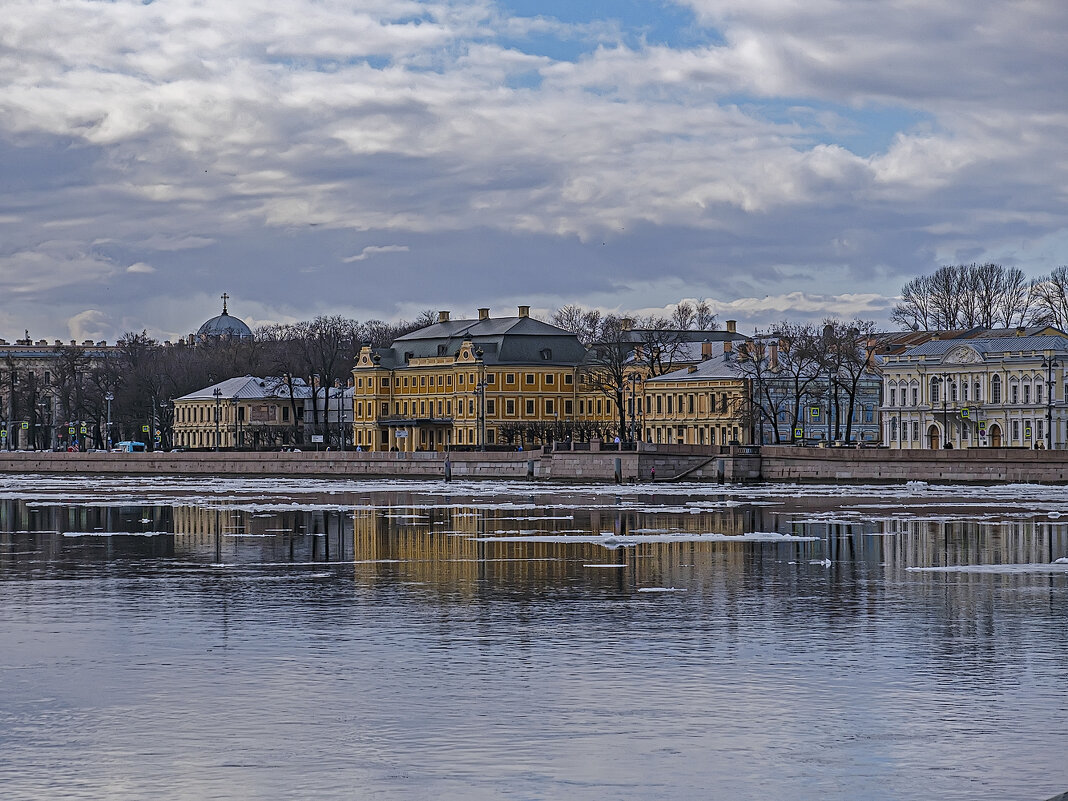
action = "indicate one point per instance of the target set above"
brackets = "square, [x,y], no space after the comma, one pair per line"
[791,147]
[140,267]
[373,250]
[91,324]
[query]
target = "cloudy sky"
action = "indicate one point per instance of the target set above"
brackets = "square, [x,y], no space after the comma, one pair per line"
[373,158]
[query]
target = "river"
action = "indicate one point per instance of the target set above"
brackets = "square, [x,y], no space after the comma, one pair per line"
[282,639]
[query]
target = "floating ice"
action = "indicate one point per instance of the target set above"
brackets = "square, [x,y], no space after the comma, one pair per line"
[612,566]
[662,589]
[1056,567]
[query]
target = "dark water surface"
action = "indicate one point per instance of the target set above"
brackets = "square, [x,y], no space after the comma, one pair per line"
[271,639]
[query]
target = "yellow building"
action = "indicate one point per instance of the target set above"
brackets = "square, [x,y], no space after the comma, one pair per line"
[473,383]
[246,412]
[702,404]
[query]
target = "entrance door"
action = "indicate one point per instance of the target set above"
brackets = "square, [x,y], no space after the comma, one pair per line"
[933,439]
[995,436]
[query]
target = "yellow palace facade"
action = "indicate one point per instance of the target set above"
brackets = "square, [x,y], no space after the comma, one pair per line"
[467,383]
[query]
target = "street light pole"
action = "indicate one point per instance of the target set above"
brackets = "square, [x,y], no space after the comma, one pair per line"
[1049,363]
[480,388]
[109,398]
[218,406]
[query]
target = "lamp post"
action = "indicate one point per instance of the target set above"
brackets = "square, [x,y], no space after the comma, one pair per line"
[480,388]
[1049,362]
[109,398]
[943,381]
[218,406]
[634,379]
[341,415]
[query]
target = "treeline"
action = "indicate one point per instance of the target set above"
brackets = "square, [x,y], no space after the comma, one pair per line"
[143,376]
[982,295]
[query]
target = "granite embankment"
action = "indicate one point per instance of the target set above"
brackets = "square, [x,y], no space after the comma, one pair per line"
[650,462]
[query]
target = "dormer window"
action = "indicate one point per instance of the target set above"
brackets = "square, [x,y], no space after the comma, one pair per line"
[546,354]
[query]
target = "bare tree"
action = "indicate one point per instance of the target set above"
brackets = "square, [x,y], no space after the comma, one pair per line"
[1051,299]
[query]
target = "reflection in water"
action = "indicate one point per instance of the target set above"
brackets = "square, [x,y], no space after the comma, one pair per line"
[417,643]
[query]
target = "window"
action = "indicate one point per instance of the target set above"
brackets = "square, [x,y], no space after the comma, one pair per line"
[509,407]
[461,379]
[491,406]
[953,392]
[470,408]
[582,407]
[964,390]
[550,408]
[448,381]
[915,396]
[491,378]
[568,406]
[869,414]
[893,398]
[546,354]
[528,378]
[659,404]
[978,394]
[915,430]
[422,408]
[550,379]
[530,408]
[1027,393]
[1038,393]
[241,413]
[568,380]
[441,411]
[448,408]
[1015,429]
[285,414]
[995,389]
[509,378]
[893,429]
[670,400]
[1014,394]
[385,408]
[935,386]
[691,404]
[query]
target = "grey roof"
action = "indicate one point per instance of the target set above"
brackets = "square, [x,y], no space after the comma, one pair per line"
[991,345]
[640,335]
[225,325]
[717,366]
[504,340]
[250,387]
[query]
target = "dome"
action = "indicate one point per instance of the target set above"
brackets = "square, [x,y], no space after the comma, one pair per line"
[225,325]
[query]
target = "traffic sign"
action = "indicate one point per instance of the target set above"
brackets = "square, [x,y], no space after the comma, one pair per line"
[982,426]
[25,425]
[814,412]
[799,433]
[1027,432]
[965,412]
[70,430]
[84,431]
[144,429]
[3,434]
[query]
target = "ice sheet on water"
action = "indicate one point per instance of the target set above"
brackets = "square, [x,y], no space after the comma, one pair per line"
[662,589]
[1053,567]
[116,533]
[612,540]
[606,566]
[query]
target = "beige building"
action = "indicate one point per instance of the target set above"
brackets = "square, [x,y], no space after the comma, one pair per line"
[244,413]
[1001,389]
[701,404]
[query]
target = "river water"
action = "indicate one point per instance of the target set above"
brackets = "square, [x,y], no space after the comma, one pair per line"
[271,639]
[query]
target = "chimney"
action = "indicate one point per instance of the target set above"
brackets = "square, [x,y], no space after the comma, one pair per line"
[1020,331]
[773,355]
[443,317]
[728,348]
[483,313]
[524,311]
[706,349]
[732,326]
[627,324]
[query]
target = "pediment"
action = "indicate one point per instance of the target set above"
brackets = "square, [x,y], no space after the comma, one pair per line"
[963,355]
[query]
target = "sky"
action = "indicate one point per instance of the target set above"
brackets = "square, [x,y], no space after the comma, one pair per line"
[375,158]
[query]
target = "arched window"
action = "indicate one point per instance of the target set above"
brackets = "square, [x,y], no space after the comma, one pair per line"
[995,389]
[978,391]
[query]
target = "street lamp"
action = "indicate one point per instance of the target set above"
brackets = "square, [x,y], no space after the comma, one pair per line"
[341,415]
[480,388]
[1049,362]
[109,398]
[634,380]
[218,406]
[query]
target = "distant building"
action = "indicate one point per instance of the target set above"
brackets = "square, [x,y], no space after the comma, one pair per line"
[224,326]
[973,389]
[468,383]
[701,404]
[246,413]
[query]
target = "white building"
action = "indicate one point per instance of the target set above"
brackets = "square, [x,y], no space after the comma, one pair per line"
[997,389]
